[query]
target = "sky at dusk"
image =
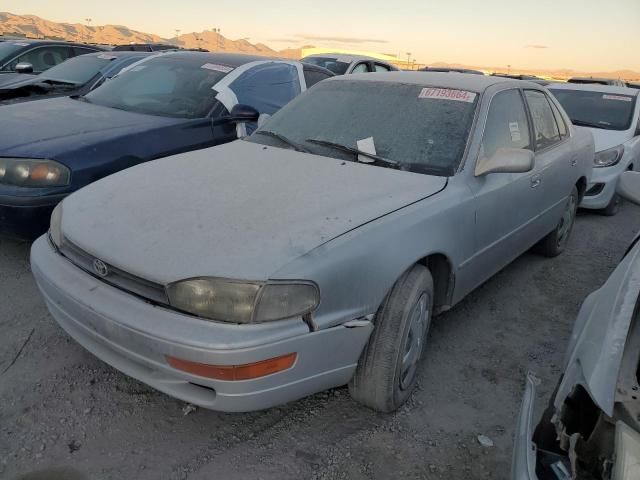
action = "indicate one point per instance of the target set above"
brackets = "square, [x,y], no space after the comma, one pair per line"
[578,34]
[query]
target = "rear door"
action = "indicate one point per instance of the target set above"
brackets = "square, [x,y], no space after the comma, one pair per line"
[555,160]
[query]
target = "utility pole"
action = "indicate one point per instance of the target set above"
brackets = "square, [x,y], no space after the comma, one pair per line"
[408,59]
[88,20]
[218,40]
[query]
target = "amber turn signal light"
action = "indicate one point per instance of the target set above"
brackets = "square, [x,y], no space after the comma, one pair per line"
[234,372]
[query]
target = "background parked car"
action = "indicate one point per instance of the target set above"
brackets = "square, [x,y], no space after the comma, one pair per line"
[314,253]
[166,104]
[144,47]
[347,64]
[612,114]
[36,56]
[76,76]
[446,69]
[591,429]
[598,81]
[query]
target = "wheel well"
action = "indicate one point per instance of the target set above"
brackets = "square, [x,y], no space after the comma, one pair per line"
[581,185]
[443,280]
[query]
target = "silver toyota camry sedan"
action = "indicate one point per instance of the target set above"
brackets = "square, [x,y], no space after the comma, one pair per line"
[315,252]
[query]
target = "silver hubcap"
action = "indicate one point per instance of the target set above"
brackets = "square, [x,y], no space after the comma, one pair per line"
[566,222]
[418,323]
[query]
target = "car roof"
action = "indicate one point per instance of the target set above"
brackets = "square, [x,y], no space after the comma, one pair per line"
[594,87]
[228,59]
[345,56]
[37,41]
[458,81]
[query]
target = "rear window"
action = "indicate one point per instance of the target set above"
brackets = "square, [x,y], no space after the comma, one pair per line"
[609,111]
[424,129]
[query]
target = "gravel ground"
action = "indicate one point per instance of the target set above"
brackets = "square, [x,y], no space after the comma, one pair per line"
[65,413]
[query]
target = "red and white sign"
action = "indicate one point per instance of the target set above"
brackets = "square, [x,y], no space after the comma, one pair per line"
[448,94]
[620,98]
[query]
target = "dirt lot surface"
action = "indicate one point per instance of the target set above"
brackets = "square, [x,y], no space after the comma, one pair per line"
[62,411]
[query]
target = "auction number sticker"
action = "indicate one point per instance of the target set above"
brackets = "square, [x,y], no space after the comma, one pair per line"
[448,94]
[620,98]
[217,68]
[104,56]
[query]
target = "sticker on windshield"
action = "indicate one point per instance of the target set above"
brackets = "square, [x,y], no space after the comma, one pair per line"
[104,56]
[514,128]
[620,98]
[368,146]
[448,94]
[20,44]
[216,67]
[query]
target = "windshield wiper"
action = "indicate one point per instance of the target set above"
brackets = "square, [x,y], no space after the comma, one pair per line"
[59,82]
[582,123]
[297,147]
[355,151]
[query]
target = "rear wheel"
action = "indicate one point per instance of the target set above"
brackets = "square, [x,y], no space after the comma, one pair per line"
[613,207]
[388,368]
[554,244]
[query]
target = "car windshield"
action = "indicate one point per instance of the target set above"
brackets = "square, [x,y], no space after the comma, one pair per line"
[8,48]
[78,70]
[168,85]
[332,64]
[610,111]
[415,128]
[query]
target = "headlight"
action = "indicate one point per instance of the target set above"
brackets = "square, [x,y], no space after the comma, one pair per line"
[23,172]
[55,229]
[243,302]
[608,158]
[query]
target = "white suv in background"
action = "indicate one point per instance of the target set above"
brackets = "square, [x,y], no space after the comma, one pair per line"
[612,114]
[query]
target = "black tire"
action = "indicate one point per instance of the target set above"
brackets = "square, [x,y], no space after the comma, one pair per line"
[383,380]
[613,207]
[554,243]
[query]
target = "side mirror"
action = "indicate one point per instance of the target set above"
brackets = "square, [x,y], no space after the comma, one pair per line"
[506,160]
[239,114]
[629,186]
[24,67]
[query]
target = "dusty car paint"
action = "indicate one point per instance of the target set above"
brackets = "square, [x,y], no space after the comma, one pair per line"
[255,212]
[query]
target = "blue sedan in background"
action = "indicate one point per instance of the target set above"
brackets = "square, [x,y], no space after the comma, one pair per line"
[76,76]
[165,104]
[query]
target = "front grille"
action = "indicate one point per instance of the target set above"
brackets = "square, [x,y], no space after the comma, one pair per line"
[115,277]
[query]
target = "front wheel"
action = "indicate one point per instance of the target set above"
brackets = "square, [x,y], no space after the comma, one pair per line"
[388,367]
[554,244]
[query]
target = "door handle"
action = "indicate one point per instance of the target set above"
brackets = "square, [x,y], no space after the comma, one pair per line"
[535,182]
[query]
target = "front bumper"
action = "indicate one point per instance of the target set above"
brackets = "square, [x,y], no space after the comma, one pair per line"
[26,217]
[523,463]
[135,336]
[608,176]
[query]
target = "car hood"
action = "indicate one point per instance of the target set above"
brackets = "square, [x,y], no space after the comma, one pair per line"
[50,126]
[10,79]
[597,344]
[605,139]
[241,210]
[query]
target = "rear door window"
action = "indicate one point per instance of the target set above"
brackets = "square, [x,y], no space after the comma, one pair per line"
[362,67]
[544,122]
[381,68]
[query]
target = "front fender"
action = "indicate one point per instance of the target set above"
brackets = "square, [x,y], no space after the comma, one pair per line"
[356,270]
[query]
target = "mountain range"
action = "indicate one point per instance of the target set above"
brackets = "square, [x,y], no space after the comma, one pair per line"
[37,27]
